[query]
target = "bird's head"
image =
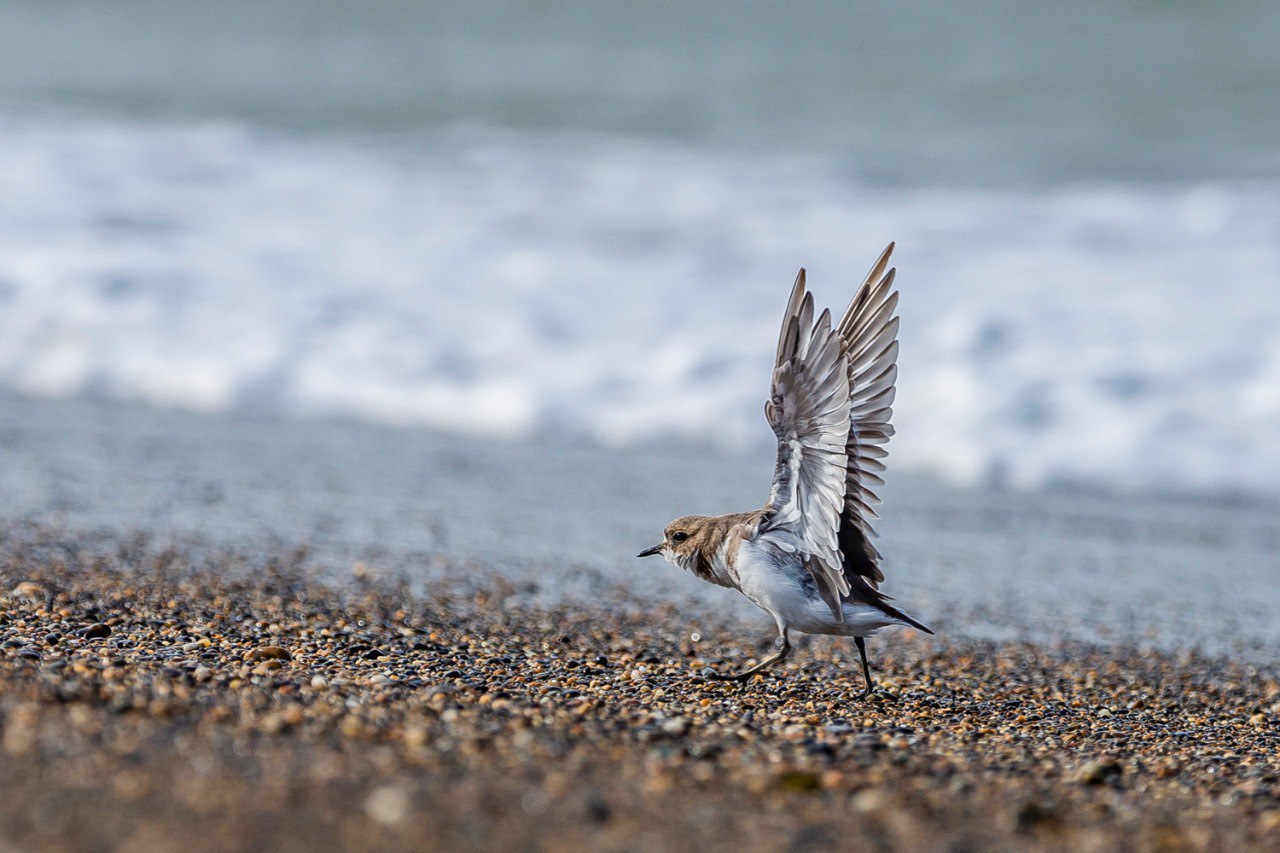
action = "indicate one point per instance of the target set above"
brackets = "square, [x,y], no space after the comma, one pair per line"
[682,542]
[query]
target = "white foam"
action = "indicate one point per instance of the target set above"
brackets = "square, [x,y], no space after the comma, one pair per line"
[621,291]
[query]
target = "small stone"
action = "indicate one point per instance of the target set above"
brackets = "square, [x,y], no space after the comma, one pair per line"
[802,781]
[202,674]
[387,805]
[1032,814]
[869,800]
[29,589]
[1250,788]
[598,809]
[415,736]
[1098,772]
[675,727]
[272,724]
[97,631]
[270,653]
[833,780]
[319,682]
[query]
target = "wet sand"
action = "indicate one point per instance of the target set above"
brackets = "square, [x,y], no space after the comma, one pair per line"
[154,696]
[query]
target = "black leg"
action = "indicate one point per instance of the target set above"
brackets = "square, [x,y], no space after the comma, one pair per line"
[866,668]
[784,648]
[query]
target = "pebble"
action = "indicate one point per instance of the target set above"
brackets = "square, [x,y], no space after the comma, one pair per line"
[29,590]
[387,805]
[270,653]
[558,725]
[1099,772]
[675,727]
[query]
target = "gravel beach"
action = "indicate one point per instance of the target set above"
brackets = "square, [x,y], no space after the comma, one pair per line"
[154,696]
[352,354]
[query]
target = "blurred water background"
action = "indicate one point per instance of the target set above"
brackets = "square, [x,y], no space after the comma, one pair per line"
[578,222]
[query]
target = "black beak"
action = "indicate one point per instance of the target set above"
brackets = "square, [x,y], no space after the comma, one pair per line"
[649,552]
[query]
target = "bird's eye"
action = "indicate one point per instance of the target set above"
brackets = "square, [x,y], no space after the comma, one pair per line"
[679,536]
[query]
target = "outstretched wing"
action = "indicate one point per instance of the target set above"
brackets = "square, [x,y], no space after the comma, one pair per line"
[830,407]
[809,411]
[869,331]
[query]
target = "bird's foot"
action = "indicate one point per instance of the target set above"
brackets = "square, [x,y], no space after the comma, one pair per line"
[783,648]
[740,677]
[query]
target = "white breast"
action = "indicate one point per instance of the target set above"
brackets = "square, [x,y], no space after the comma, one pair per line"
[779,583]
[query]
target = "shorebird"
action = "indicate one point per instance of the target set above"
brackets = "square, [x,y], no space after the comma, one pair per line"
[806,558]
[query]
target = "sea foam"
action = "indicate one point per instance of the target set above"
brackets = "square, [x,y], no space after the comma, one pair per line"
[619,291]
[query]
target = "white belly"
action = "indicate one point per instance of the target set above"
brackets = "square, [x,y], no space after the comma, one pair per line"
[778,583]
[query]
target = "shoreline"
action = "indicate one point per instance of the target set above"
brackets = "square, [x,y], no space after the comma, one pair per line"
[237,702]
[568,521]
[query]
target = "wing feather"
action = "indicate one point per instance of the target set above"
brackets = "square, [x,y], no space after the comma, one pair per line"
[870,329]
[858,337]
[854,311]
[808,409]
[829,406]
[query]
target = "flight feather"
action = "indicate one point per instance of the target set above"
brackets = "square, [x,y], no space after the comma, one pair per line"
[830,407]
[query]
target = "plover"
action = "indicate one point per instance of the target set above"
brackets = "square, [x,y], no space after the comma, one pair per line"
[806,558]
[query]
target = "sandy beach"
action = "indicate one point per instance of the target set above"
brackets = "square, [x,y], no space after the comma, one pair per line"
[153,696]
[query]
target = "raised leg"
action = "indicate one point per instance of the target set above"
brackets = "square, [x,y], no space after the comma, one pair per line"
[783,649]
[866,668]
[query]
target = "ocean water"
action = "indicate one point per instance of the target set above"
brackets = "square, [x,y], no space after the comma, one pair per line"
[566,522]
[578,222]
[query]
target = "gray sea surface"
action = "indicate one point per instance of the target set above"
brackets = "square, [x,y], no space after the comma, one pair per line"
[1172,572]
[910,92]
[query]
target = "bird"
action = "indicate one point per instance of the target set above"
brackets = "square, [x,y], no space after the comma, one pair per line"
[806,557]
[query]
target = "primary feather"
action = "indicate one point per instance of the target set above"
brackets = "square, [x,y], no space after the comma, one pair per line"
[830,407]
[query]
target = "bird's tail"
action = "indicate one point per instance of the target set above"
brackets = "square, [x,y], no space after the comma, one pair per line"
[863,591]
[890,610]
